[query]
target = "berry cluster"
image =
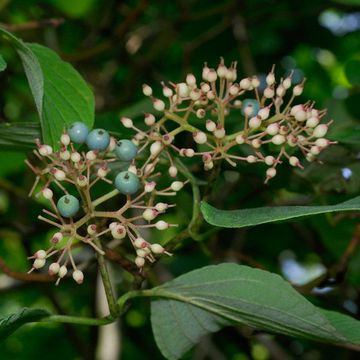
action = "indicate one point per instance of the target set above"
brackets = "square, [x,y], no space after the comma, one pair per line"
[268,125]
[73,174]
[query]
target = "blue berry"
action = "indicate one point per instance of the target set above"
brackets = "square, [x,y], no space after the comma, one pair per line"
[126,150]
[78,132]
[253,103]
[98,139]
[127,183]
[68,205]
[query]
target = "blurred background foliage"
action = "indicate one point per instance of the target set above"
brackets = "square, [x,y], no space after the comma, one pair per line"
[119,45]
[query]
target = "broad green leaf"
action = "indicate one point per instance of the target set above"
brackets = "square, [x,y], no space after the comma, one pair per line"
[10,323]
[2,63]
[350,135]
[263,215]
[352,71]
[61,95]
[204,300]
[19,136]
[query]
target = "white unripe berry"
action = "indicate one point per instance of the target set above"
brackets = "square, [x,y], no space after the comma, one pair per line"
[91,155]
[190,80]
[75,157]
[118,232]
[147,90]
[189,152]
[65,155]
[320,131]
[269,92]
[254,122]
[195,94]
[219,132]
[280,91]
[82,180]
[315,150]
[149,168]
[39,263]
[251,159]
[140,243]
[211,75]
[256,143]
[263,113]
[159,105]
[322,142]
[249,109]
[113,225]
[102,172]
[161,206]
[59,175]
[57,237]
[295,109]
[173,171]
[278,139]
[161,225]
[40,254]
[210,125]
[157,249]
[127,122]
[149,119]
[113,141]
[210,95]
[270,79]
[182,90]
[150,186]
[43,150]
[292,140]
[294,161]
[312,122]
[273,129]
[234,89]
[205,87]
[65,139]
[139,261]
[78,276]
[54,268]
[200,113]
[298,90]
[62,271]
[271,172]
[200,137]
[269,160]
[167,92]
[141,253]
[47,193]
[240,139]
[91,229]
[177,185]
[221,70]
[208,165]
[231,74]
[49,149]
[149,214]
[245,83]
[155,148]
[300,115]
[287,83]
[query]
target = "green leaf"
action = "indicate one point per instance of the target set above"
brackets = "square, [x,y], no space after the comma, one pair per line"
[352,71]
[61,95]
[10,323]
[204,300]
[19,136]
[3,64]
[263,215]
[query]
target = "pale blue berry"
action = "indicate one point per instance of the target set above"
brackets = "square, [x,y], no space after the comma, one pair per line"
[68,205]
[78,132]
[250,104]
[127,183]
[98,139]
[126,150]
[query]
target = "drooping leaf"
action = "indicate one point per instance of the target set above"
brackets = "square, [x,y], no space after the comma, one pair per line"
[10,323]
[3,64]
[204,300]
[61,95]
[263,215]
[19,135]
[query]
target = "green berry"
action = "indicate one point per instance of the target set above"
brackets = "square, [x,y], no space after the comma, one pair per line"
[127,183]
[78,132]
[98,139]
[126,150]
[68,205]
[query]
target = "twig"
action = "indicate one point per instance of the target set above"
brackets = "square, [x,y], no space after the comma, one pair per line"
[53,22]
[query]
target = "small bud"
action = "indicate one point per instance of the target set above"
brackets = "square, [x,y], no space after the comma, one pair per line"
[149,214]
[78,276]
[161,206]
[177,185]
[59,175]
[254,122]
[102,172]
[182,90]
[269,160]
[300,115]
[147,90]
[320,131]
[263,113]
[298,90]
[200,113]
[43,151]
[256,143]
[112,144]
[118,232]
[278,139]
[195,94]
[65,139]
[234,90]
[200,137]
[167,92]
[140,243]
[139,261]
[54,268]
[40,254]
[269,92]
[49,149]
[271,172]
[113,225]
[173,171]
[57,237]
[287,83]
[141,253]
[75,157]
[82,180]
[280,91]
[219,132]
[190,80]
[150,186]
[255,82]
[39,263]
[315,150]
[90,155]
[273,129]
[210,125]
[155,148]
[157,249]
[62,271]
[91,229]
[323,143]
[47,193]
[65,155]
[161,225]
[149,119]
[251,159]
[270,79]
[211,75]
[205,87]
[127,122]
[240,139]
[294,161]
[245,83]
[312,122]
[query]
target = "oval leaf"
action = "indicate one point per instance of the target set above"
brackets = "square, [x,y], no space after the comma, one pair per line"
[12,322]
[263,215]
[207,299]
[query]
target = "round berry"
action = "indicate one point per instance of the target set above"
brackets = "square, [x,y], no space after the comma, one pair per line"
[68,205]
[127,183]
[98,139]
[78,132]
[250,107]
[126,150]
